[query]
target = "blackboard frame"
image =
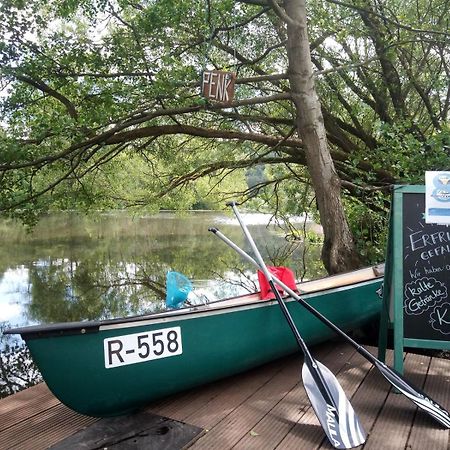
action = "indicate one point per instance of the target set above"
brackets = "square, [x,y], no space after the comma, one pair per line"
[392,315]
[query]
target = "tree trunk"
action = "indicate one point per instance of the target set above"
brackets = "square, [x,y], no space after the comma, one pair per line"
[338,253]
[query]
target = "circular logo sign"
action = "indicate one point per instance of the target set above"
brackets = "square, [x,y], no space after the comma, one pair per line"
[442,195]
[442,180]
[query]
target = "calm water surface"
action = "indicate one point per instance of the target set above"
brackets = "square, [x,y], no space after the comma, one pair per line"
[76,267]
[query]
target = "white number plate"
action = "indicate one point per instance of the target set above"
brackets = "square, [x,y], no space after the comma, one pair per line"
[141,347]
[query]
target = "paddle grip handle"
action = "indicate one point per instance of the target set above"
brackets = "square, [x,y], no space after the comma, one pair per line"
[232,203]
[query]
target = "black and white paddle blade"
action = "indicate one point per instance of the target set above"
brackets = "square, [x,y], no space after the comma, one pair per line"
[422,400]
[335,414]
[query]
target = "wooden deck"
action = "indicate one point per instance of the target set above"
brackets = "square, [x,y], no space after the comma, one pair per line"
[265,408]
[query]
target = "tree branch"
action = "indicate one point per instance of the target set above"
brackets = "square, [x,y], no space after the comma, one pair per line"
[160,130]
[40,85]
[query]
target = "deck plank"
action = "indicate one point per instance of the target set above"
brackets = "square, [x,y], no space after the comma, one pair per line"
[278,422]
[264,408]
[44,429]
[425,430]
[201,405]
[231,398]
[213,412]
[242,421]
[25,404]
[308,433]
[243,417]
[371,396]
[393,425]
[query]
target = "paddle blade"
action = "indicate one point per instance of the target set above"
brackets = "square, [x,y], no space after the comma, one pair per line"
[422,400]
[334,411]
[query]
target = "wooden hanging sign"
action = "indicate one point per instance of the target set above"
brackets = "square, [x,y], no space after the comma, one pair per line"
[218,85]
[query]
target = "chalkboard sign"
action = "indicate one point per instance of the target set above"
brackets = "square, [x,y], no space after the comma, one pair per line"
[426,273]
[417,278]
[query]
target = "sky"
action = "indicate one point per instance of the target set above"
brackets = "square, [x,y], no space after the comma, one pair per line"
[14,292]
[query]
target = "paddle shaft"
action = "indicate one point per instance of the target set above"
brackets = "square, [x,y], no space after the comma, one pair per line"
[424,402]
[360,349]
[309,360]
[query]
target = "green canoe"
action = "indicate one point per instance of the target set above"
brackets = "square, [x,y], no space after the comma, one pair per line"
[111,367]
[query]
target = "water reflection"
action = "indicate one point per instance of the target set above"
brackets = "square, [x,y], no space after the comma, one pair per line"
[74,267]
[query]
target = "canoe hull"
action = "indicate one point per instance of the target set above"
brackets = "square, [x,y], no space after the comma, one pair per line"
[97,373]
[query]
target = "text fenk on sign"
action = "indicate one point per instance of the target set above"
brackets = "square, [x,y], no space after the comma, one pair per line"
[218,85]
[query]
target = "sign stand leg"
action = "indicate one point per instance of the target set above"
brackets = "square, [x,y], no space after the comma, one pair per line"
[383,333]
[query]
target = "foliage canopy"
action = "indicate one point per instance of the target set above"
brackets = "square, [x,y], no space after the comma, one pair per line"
[101,102]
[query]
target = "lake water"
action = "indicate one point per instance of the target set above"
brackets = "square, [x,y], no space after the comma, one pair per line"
[77,267]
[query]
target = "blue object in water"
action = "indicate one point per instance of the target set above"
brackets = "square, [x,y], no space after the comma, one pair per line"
[178,287]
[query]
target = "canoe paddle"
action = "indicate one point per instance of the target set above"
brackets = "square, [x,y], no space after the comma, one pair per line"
[436,411]
[328,399]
